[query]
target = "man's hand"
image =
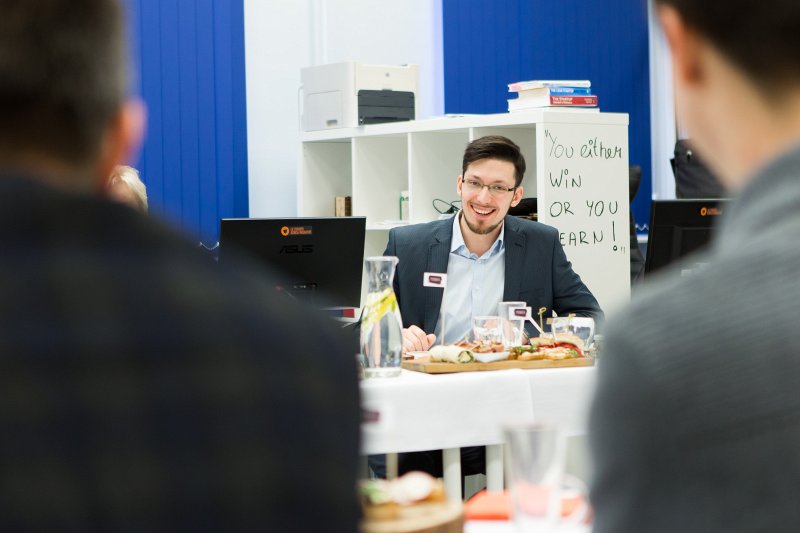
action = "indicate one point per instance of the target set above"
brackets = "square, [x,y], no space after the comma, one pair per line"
[416,340]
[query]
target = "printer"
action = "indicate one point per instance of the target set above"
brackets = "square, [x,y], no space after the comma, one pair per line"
[350,94]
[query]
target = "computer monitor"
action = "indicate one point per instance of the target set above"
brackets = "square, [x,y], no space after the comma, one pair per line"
[679,227]
[526,208]
[317,260]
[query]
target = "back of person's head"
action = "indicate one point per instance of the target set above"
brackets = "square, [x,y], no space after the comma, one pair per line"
[62,80]
[495,147]
[761,39]
[125,185]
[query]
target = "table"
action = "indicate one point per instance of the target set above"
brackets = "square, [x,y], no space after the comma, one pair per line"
[417,411]
[490,526]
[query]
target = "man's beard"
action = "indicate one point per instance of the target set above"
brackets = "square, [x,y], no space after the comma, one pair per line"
[477,230]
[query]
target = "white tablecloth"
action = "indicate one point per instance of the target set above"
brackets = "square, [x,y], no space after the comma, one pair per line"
[562,396]
[490,526]
[417,411]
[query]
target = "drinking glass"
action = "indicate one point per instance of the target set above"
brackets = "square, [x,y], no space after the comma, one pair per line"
[486,329]
[535,474]
[580,326]
[512,328]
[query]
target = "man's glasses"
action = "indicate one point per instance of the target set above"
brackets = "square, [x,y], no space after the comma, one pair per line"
[495,190]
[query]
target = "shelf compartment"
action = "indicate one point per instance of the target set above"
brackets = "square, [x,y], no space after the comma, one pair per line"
[434,167]
[380,172]
[326,173]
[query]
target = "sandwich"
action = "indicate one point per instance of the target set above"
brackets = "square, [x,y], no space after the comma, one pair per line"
[564,346]
[452,353]
[382,499]
[487,347]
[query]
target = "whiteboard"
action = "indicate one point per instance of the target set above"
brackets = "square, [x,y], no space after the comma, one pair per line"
[582,185]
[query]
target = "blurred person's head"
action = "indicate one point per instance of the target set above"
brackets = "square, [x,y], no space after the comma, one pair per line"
[125,186]
[736,66]
[63,80]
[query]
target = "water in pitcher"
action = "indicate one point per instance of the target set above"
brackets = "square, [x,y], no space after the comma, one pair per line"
[381,324]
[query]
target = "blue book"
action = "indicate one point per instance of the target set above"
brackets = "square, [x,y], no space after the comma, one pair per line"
[569,90]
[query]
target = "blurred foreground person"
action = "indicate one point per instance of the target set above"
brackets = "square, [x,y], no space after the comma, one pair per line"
[142,388]
[696,421]
[125,186]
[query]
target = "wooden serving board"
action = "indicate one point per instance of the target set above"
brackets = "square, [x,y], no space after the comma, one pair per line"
[444,517]
[423,364]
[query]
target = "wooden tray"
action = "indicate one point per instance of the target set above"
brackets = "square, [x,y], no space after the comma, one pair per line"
[445,517]
[423,364]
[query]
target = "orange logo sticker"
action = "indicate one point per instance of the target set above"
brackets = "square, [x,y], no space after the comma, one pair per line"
[710,211]
[296,230]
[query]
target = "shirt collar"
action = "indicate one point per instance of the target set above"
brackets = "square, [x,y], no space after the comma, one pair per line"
[458,246]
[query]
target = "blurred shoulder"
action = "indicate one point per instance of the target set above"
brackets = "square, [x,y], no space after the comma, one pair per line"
[686,318]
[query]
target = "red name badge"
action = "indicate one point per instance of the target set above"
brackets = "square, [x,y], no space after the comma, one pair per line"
[434,279]
[519,313]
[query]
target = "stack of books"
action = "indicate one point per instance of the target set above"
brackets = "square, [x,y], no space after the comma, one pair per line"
[551,93]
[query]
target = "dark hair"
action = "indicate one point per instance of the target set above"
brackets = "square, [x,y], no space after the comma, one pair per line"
[495,147]
[762,39]
[62,76]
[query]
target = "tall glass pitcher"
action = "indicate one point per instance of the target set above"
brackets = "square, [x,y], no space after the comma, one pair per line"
[381,325]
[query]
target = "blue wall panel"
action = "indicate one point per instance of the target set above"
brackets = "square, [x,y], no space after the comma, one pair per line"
[189,55]
[490,43]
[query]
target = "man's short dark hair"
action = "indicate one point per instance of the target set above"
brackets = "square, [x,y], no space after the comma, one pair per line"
[762,39]
[62,76]
[495,147]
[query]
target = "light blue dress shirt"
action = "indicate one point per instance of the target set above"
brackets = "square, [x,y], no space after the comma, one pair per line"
[474,286]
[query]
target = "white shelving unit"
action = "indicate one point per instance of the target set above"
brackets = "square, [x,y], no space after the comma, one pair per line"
[583,150]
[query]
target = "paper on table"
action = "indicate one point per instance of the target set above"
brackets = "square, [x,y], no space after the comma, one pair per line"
[486,505]
[490,357]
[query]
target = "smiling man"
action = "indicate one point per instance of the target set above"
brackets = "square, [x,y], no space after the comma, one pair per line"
[489,257]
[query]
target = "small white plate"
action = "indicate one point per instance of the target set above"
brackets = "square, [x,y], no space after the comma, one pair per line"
[490,357]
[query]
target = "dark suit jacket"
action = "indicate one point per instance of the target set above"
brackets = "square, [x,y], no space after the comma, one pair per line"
[145,388]
[537,270]
[696,422]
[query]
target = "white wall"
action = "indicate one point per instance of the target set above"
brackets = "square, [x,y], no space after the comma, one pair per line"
[276,45]
[281,36]
[662,110]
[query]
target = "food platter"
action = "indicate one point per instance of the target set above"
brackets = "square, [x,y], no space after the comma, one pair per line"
[424,364]
[564,351]
[415,502]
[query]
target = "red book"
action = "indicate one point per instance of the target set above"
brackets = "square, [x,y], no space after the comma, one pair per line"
[553,100]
